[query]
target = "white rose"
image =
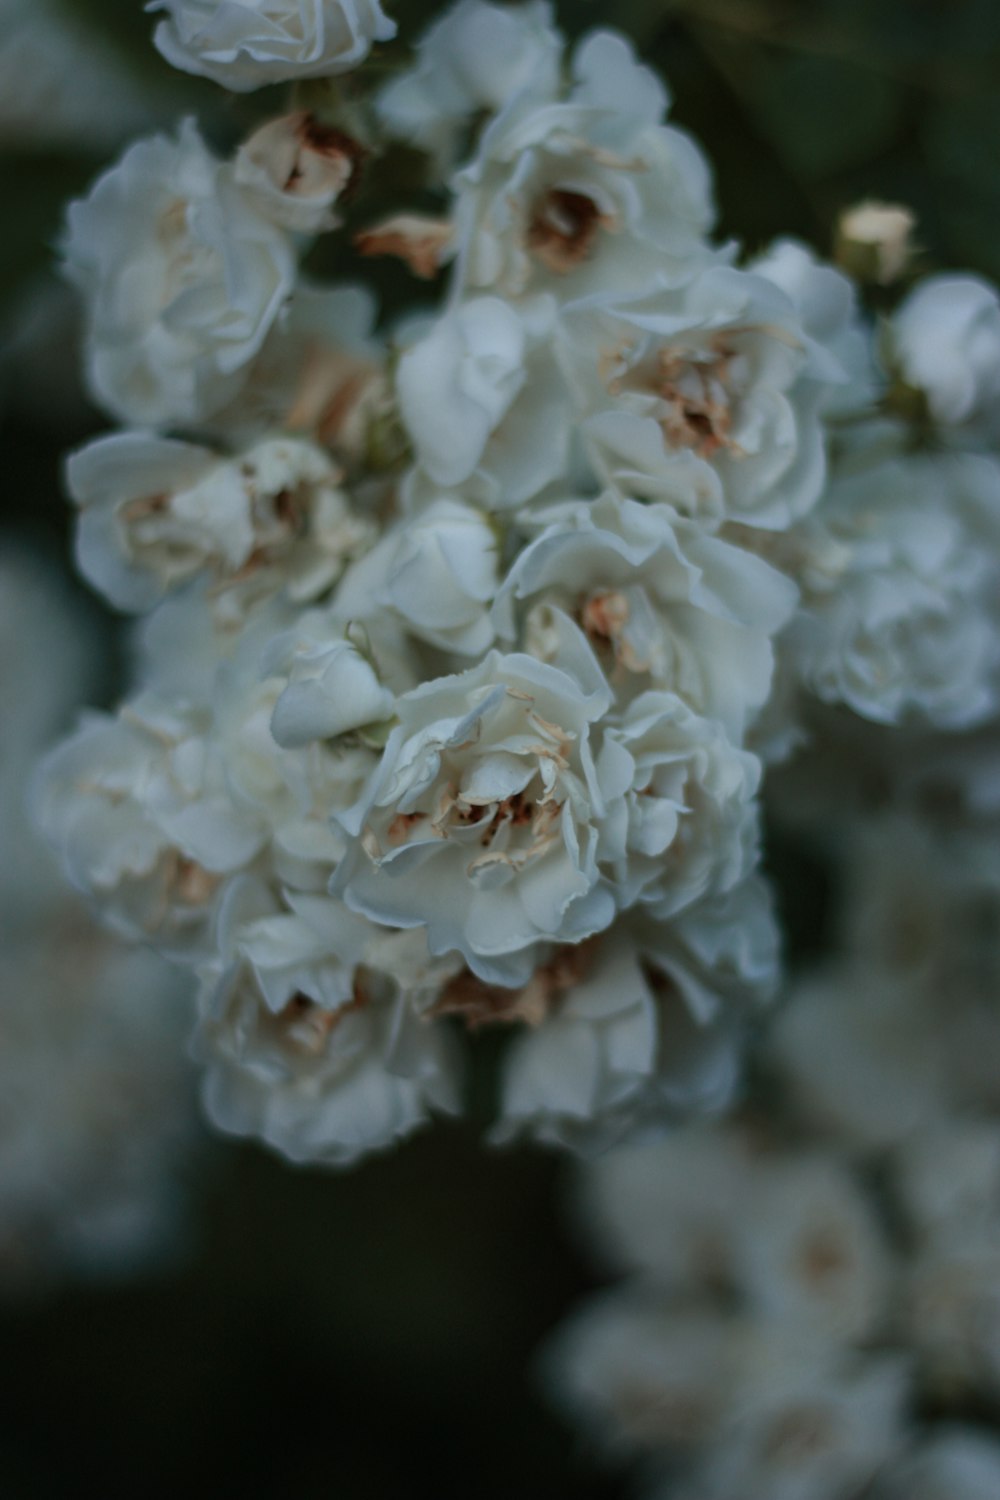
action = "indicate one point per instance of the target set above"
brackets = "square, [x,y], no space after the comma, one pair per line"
[904,627]
[484,403]
[720,371]
[310,1035]
[245,44]
[155,512]
[182,281]
[334,689]
[661,602]
[682,818]
[945,340]
[436,572]
[641,1025]
[482,821]
[827,303]
[473,60]
[569,196]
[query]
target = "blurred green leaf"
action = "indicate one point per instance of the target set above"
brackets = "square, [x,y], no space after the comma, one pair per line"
[823,114]
[962,142]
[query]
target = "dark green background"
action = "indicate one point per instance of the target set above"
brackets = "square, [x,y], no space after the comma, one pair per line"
[371,1334]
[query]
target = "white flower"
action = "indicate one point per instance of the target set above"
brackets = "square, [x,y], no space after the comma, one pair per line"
[945,341]
[99,1118]
[310,1032]
[806,1422]
[947,1181]
[482,822]
[719,371]
[639,1026]
[569,196]
[436,571]
[682,819]
[245,44]
[859,1062]
[954,1463]
[335,681]
[294,169]
[811,1253]
[953,1314]
[827,304]
[156,809]
[156,512]
[903,627]
[672,1209]
[475,59]
[182,280]
[659,600]
[483,401]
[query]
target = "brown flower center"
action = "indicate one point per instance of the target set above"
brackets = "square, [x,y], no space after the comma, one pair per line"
[563,229]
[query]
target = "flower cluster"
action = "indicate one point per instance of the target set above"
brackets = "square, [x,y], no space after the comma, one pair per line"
[98,1123]
[813,1304]
[467,638]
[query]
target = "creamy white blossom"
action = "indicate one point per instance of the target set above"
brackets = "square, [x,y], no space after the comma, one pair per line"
[471,61]
[570,194]
[899,620]
[483,401]
[437,572]
[661,602]
[642,1025]
[945,342]
[182,280]
[245,44]
[483,820]
[718,373]
[156,512]
[310,1033]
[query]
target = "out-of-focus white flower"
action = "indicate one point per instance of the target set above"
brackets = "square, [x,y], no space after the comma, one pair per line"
[295,168]
[483,402]
[310,1031]
[810,1252]
[956,1463]
[661,602]
[245,44]
[945,342]
[473,60]
[953,1314]
[903,626]
[859,1061]
[947,1181]
[719,370]
[437,572]
[807,1422]
[571,196]
[672,1209]
[98,1116]
[728,1405]
[182,280]
[156,512]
